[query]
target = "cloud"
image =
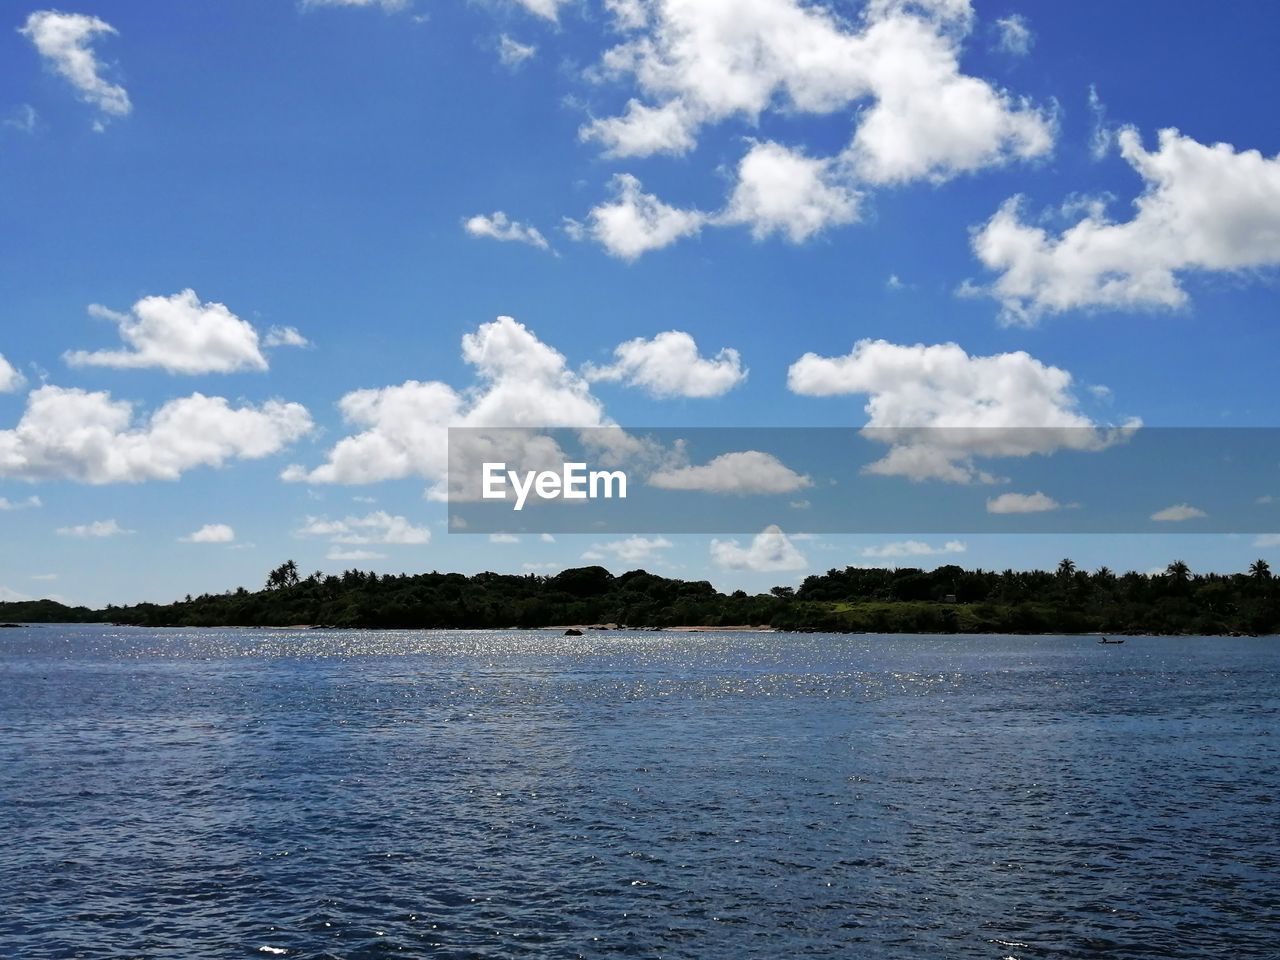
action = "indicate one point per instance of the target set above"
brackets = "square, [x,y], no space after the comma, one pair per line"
[1178,514]
[1267,540]
[938,407]
[10,379]
[388,5]
[503,538]
[697,64]
[521,382]
[642,131]
[669,366]
[178,334]
[743,473]
[1102,136]
[630,550]
[896,69]
[635,222]
[1022,503]
[377,527]
[99,528]
[769,550]
[913,548]
[28,504]
[73,434]
[512,53]
[339,554]
[22,118]
[498,226]
[1016,37]
[777,190]
[65,40]
[211,533]
[285,337]
[628,14]
[1203,208]
[546,9]
[783,191]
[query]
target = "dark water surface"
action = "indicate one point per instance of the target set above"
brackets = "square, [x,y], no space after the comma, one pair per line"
[190,793]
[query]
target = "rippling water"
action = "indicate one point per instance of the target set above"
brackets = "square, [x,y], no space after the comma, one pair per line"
[212,793]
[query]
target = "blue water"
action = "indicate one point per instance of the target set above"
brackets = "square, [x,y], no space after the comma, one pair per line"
[192,793]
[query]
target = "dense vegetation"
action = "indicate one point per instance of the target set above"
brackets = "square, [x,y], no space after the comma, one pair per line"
[948,599]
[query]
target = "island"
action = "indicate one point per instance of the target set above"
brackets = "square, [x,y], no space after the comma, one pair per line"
[948,599]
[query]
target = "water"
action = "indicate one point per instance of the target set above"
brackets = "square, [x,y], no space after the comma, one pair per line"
[214,793]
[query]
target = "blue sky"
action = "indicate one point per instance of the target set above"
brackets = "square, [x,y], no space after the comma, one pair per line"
[318,168]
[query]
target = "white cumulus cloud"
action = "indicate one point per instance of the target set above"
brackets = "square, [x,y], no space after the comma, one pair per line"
[546,9]
[285,337]
[669,366]
[642,131]
[211,533]
[630,550]
[73,434]
[337,553]
[696,64]
[769,550]
[780,190]
[912,548]
[65,41]
[938,407]
[403,429]
[377,527]
[179,334]
[10,378]
[98,529]
[498,226]
[1204,208]
[1178,513]
[746,472]
[896,69]
[635,222]
[1022,503]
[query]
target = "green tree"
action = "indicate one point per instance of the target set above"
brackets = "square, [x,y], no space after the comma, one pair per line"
[285,575]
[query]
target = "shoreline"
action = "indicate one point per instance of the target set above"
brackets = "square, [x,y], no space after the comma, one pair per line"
[589,629]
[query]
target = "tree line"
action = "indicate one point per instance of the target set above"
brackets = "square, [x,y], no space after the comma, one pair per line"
[948,599]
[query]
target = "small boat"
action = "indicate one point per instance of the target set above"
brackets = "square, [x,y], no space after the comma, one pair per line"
[1107,640]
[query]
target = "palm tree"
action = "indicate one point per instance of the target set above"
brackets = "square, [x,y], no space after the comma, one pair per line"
[1179,571]
[1104,574]
[1066,569]
[1260,570]
[285,575]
